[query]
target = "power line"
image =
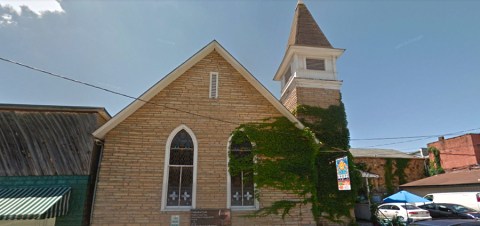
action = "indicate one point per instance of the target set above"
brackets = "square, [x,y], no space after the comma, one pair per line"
[111,91]
[423,138]
[128,96]
[409,137]
[209,117]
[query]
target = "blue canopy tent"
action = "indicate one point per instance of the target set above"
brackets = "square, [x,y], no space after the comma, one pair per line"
[404,197]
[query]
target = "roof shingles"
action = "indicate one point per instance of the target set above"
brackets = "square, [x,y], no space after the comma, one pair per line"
[305,31]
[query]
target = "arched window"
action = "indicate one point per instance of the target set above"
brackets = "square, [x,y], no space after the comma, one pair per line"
[241,186]
[180,170]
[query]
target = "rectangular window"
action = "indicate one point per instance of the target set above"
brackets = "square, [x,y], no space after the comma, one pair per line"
[213,85]
[315,64]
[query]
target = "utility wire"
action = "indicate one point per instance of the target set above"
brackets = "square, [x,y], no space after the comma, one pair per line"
[423,136]
[204,116]
[111,91]
[128,96]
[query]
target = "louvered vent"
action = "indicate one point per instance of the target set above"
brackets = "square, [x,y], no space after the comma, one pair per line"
[213,85]
[315,64]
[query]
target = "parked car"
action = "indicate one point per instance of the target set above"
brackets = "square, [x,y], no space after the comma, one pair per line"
[448,210]
[468,199]
[403,211]
[447,222]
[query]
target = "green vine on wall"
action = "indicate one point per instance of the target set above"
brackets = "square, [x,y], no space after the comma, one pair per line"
[389,176]
[291,160]
[400,165]
[435,164]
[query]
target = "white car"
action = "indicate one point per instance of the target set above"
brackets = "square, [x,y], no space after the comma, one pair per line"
[405,212]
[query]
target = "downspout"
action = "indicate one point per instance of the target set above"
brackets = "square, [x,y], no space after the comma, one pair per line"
[100,144]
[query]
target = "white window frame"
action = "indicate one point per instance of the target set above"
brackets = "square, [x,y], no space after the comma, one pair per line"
[167,168]
[212,74]
[256,205]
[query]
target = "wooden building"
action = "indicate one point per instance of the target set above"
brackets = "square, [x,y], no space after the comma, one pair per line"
[48,162]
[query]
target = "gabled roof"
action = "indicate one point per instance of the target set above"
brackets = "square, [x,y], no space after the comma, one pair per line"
[305,31]
[177,72]
[379,153]
[47,140]
[453,178]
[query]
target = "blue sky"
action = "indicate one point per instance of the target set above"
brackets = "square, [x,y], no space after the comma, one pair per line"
[410,67]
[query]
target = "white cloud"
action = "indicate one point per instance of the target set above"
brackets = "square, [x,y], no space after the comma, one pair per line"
[39,7]
[6,19]
[408,42]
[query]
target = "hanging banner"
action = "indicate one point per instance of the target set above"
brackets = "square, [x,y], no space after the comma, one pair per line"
[343,177]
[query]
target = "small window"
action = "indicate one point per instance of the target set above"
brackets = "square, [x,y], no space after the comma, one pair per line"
[429,197]
[385,207]
[242,188]
[213,85]
[315,64]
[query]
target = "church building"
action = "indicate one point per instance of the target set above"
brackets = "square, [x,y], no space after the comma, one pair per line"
[165,156]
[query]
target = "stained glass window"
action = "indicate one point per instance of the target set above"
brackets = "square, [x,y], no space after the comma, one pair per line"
[180,178]
[241,184]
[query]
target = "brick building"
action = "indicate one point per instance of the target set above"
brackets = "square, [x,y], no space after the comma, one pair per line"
[461,152]
[375,160]
[165,162]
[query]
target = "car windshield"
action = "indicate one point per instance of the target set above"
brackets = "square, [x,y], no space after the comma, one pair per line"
[462,209]
[409,207]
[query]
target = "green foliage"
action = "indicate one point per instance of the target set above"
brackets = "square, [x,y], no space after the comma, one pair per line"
[389,176]
[291,160]
[435,165]
[285,160]
[401,165]
[329,125]
[330,128]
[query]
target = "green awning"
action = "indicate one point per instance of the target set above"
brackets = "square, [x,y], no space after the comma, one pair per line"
[33,203]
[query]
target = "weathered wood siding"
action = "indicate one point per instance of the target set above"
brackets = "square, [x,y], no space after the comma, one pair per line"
[46,143]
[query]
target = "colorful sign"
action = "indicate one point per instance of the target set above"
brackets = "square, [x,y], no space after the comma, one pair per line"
[343,177]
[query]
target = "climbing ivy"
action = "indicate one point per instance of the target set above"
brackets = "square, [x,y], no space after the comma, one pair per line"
[389,176]
[400,165]
[291,160]
[330,127]
[285,160]
[435,164]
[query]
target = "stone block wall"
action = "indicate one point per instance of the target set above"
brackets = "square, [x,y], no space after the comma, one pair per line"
[129,191]
[415,170]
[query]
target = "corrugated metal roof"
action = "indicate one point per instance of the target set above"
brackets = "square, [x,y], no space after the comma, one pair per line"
[35,141]
[33,203]
[379,153]
[452,178]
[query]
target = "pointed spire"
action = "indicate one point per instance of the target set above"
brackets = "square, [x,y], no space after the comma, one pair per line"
[305,31]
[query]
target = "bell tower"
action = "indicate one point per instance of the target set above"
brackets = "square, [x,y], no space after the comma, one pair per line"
[308,73]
